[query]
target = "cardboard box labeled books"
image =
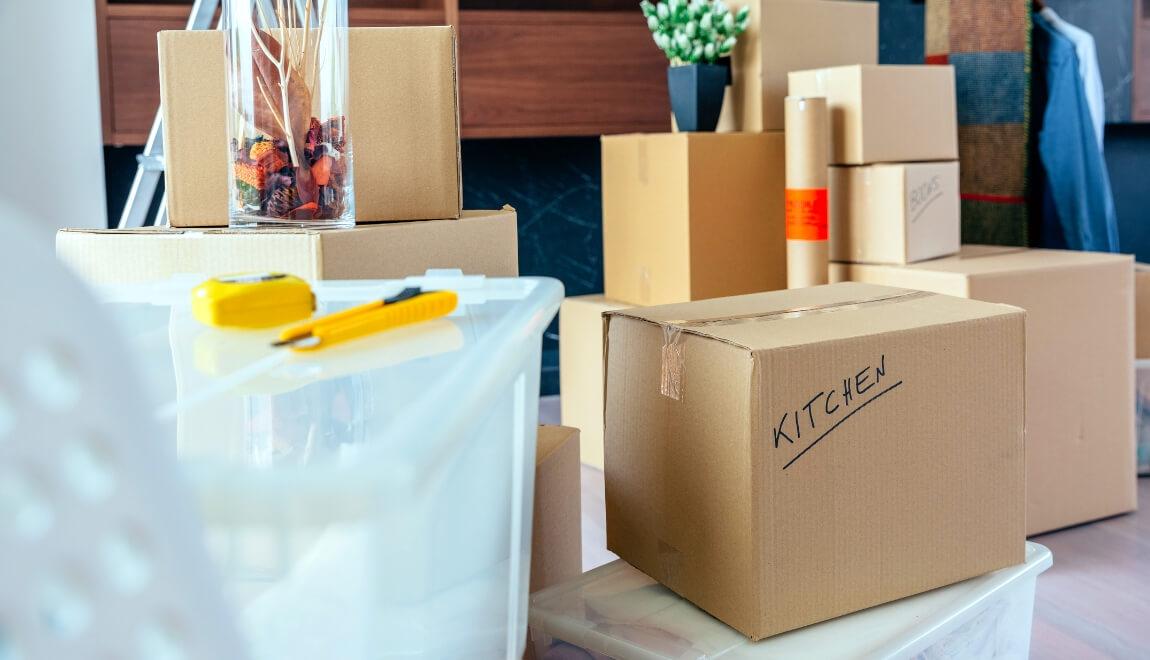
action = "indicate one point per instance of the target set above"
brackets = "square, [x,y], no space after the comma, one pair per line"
[784,458]
[894,213]
[688,216]
[581,370]
[790,35]
[1079,362]
[886,114]
[479,243]
[404,121]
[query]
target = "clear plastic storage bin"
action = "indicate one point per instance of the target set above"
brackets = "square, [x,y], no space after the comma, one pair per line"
[617,612]
[1142,414]
[372,500]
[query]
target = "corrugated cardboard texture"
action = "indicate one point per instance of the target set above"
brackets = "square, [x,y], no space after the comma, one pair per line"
[404,122]
[785,35]
[1079,381]
[886,114]
[581,370]
[556,538]
[682,222]
[480,242]
[894,213]
[815,463]
[1142,311]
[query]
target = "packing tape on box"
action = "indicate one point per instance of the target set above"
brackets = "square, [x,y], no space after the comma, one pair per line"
[671,368]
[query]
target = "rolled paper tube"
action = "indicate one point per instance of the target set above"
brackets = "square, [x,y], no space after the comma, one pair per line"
[808,134]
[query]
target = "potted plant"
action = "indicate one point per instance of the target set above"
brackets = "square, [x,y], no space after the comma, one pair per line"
[695,34]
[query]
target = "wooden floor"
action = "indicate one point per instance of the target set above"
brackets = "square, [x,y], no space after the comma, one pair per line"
[1093,603]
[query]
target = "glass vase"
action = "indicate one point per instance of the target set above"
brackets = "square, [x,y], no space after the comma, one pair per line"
[290,154]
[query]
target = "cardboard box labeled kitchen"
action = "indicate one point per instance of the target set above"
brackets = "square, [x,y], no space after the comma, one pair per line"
[581,370]
[404,122]
[886,114]
[556,538]
[784,458]
[894,213]
[682,221]
[790,35]
[479,243]
[1079,367]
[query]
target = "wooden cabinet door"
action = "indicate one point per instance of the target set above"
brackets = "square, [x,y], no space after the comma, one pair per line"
[540,73]
[133,68]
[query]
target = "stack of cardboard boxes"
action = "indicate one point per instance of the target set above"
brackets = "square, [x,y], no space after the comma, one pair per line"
[408,190]
[894,195]
[691,216]
[779,459]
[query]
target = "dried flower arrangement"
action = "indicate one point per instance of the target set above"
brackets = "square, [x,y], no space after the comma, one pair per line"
[293,166]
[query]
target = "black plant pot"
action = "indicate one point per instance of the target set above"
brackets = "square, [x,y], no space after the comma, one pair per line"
[697,95]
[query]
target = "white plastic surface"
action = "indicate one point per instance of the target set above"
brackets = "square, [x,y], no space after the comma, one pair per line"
[101,555]
[372,500]
[1142,414]
[617,612]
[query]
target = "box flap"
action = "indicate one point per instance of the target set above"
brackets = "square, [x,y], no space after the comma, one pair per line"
[802,316]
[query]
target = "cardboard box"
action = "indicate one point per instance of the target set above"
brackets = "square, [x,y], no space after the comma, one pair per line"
[404,118]
[784,458]
[886,114]
[1079,367]
[556,533]
[895,213]
[1142,311]
[479,243]
[790,35]
[688,216]
[581,370]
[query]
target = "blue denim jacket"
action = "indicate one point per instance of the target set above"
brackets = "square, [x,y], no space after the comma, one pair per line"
[1077,205]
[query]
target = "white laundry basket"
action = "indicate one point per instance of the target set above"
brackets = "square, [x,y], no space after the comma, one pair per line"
[617,612]
[372,500]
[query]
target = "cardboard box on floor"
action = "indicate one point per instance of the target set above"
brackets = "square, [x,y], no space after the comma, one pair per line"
[581,370]
[778,468]
[886,114]
[688,216]
[1142,311]
[894,213]
[404,121]
[557,520]
[1079,361]
[556,537]
[479,243]
[790,35]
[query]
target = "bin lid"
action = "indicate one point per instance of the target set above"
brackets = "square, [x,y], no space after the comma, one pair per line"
[618,611]
[234,402]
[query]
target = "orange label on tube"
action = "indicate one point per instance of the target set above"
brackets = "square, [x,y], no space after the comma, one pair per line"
[807,214]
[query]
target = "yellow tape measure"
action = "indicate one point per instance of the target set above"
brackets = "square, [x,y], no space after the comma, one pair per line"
[258,300]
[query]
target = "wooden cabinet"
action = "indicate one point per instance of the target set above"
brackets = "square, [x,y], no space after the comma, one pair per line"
[527,68]
[559,73]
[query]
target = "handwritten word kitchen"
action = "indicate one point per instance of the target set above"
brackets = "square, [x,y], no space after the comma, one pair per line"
[826,409]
